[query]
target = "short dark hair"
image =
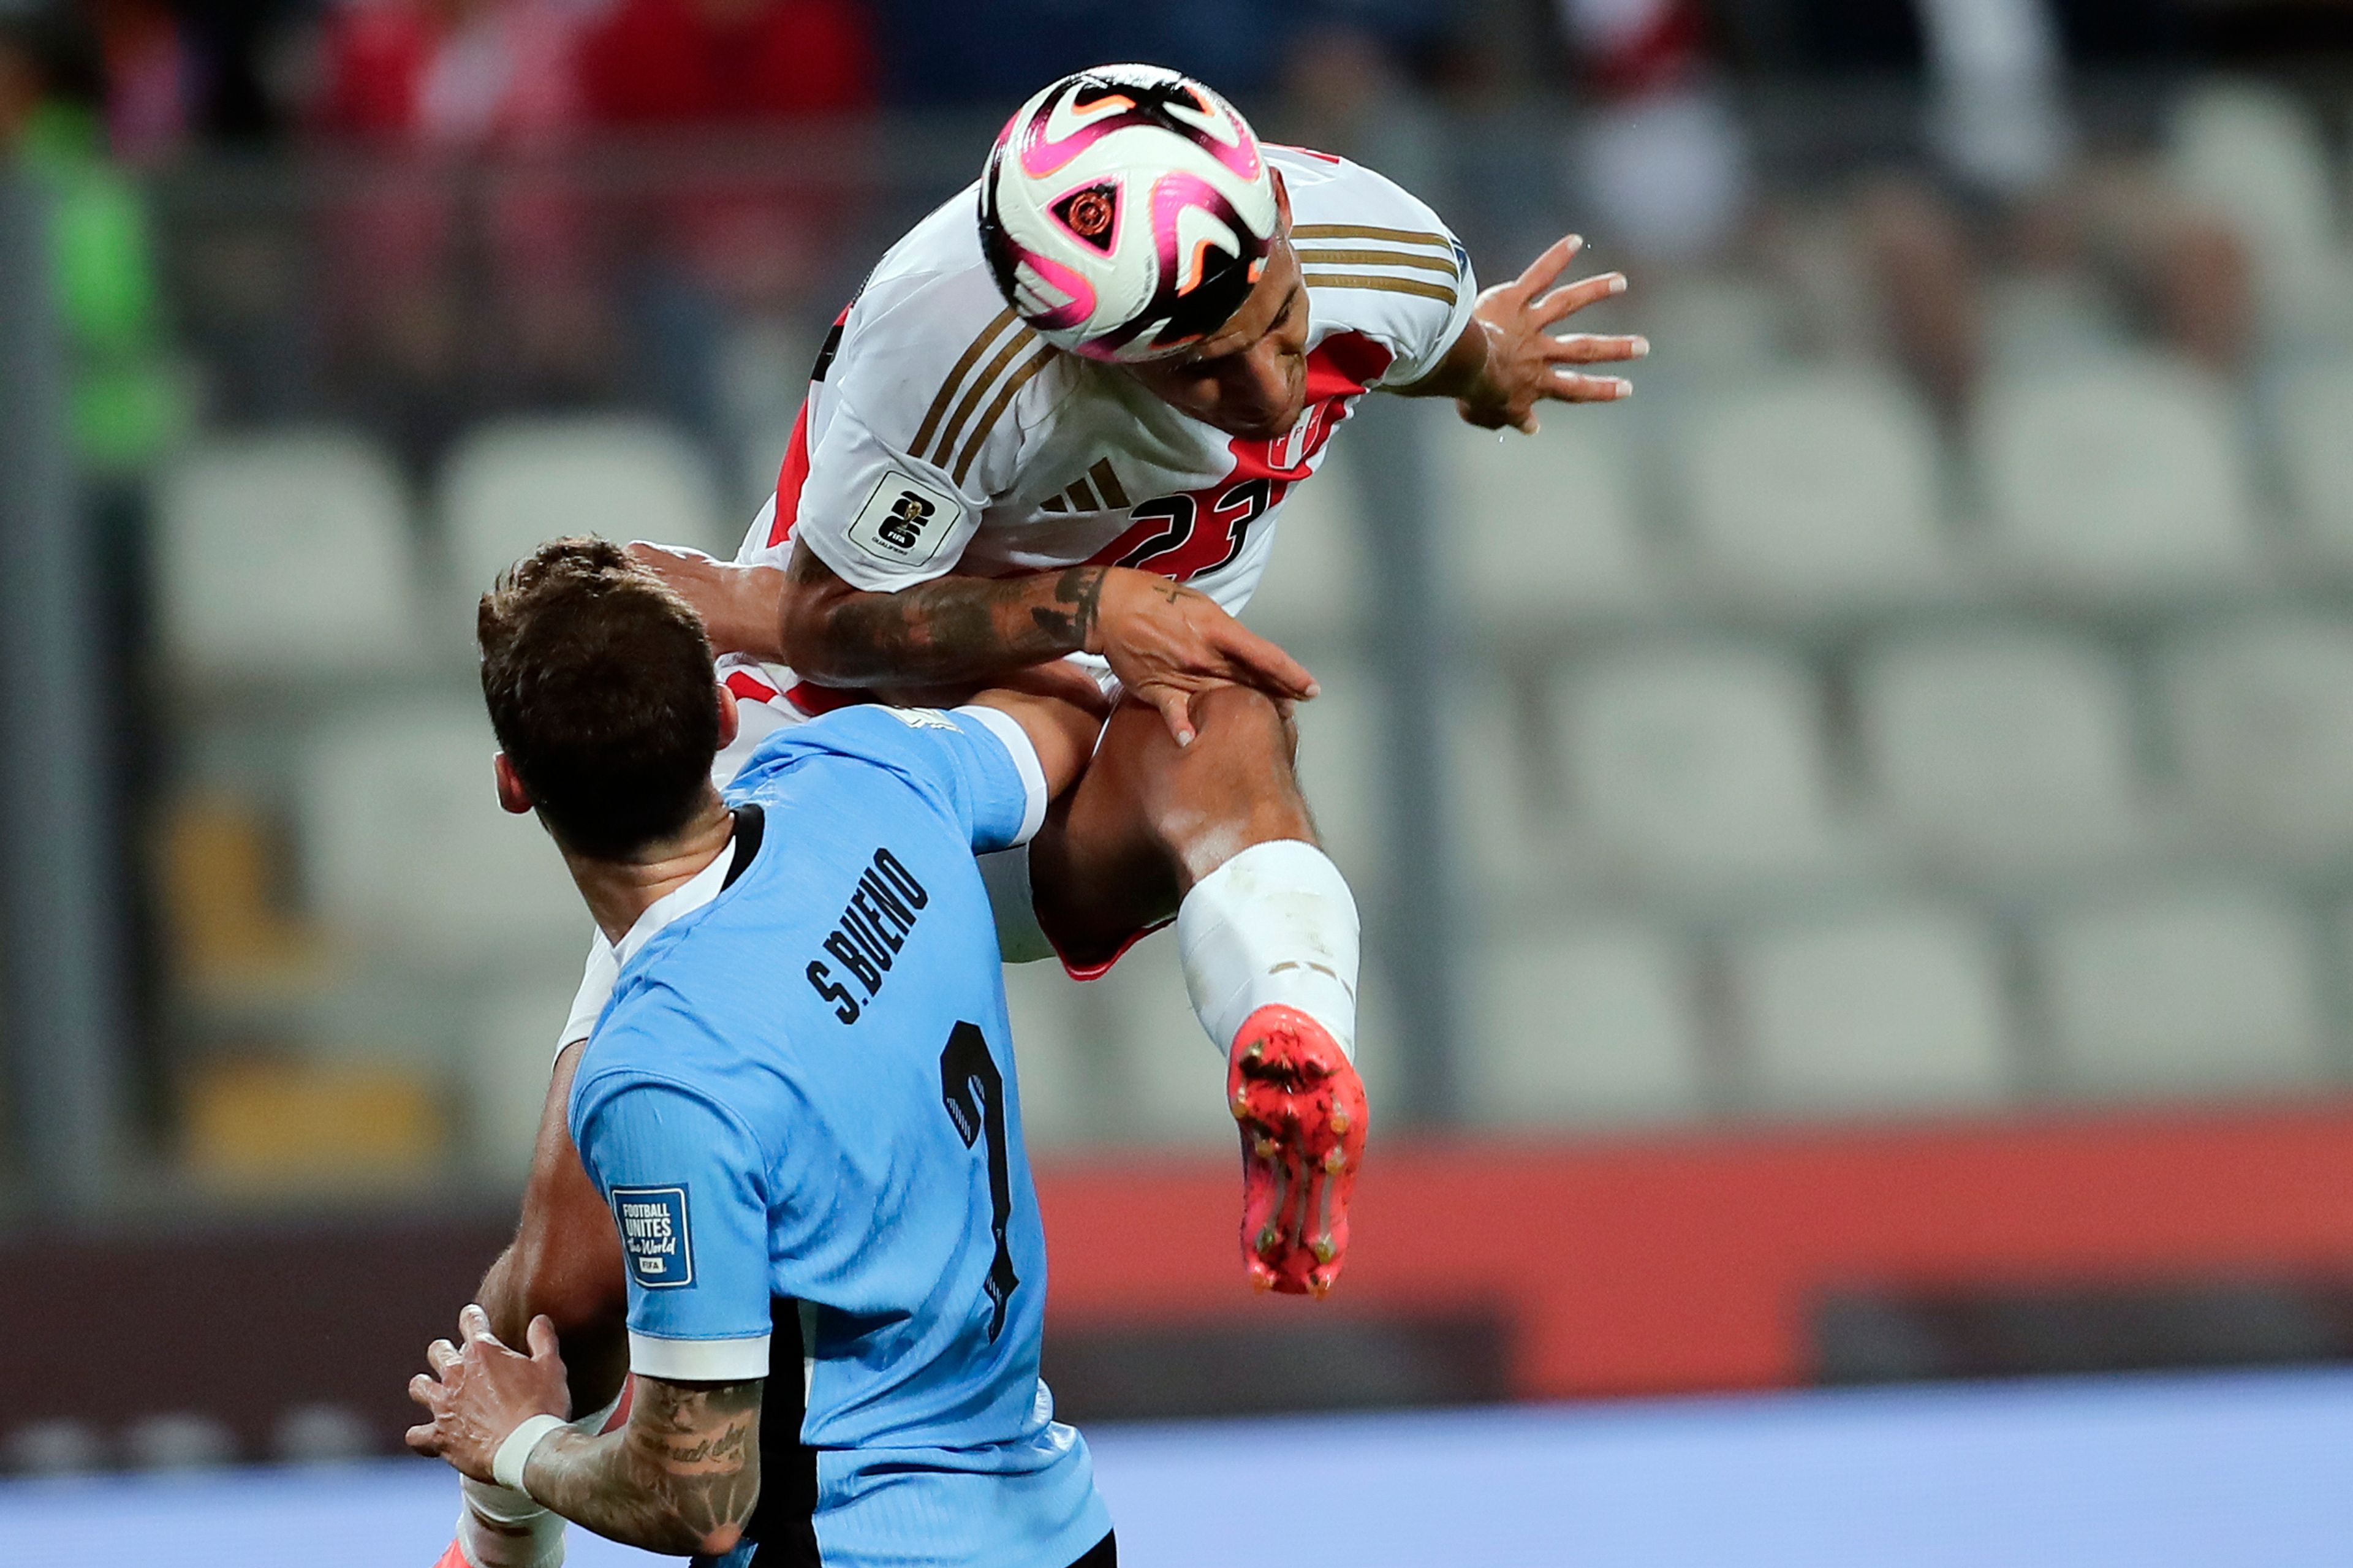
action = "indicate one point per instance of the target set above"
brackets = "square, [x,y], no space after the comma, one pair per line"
[599,679]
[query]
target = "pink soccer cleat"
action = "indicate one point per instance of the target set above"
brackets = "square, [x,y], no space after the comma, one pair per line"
[1302,1111]
[453,1558]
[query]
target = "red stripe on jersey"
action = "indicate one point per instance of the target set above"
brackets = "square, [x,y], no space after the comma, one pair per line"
[1183,536]
[750,687]
[790,478]
[813,700]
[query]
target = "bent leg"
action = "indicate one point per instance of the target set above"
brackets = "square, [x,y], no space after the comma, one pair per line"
[1218,834]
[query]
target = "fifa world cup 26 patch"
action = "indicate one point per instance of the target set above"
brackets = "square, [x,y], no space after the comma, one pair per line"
[653,1235]
[905,520]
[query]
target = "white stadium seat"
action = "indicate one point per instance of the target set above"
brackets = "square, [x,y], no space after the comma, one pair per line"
[1703,764]
[2310,417]
[282,556]
[404,844]
[1814,490]
[1504,836]
[1582,1027]
[1170,1083]
[2116,480]
[519,482]
[1896,1009]
[1061,1057]
[2255,155]
[1314,583]
[2000,747]
[2262,717]
[510,1044]
[1340,765]
[1542,528]
[2192,993]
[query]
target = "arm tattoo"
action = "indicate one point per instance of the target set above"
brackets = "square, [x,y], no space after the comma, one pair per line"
[949,629]
[685,1468]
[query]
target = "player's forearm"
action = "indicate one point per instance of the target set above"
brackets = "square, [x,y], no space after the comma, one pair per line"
[682,1478]
[948,630]
[589,1324]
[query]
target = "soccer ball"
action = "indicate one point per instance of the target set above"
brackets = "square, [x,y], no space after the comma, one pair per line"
[1126,211]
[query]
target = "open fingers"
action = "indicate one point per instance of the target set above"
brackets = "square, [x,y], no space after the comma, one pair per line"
[1571,298]
[540,1337]
[424,1439]
[475,1324]
[442,1355]
[1176,710]
[1555,261]
[1588,347]
[1566,385]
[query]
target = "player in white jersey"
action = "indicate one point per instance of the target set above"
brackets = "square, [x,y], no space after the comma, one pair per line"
[1014,454]
[1019,447]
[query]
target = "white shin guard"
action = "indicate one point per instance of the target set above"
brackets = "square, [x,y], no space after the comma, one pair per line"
[1274,924]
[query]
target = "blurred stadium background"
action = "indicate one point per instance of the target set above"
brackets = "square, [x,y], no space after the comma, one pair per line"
[1857,842]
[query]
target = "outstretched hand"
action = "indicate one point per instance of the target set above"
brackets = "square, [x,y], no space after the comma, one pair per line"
[1526,362]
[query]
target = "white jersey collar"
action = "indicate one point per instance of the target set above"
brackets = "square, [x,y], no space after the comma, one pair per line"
[699,890]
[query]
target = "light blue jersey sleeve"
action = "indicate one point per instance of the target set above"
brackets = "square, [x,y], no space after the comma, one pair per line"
[685,1178]
[976,761]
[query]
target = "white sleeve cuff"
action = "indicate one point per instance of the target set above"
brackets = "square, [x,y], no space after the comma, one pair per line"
[1008,730]
[596,981]
[699,1361]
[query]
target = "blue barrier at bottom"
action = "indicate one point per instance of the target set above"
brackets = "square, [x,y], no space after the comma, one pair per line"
[2145,1473]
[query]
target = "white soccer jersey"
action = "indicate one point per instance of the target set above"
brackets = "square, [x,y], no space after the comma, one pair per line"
[942,435]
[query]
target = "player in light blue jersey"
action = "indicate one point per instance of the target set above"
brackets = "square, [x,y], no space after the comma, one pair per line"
[799,1104]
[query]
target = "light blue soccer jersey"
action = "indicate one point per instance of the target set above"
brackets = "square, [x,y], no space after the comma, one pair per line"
[800,1103]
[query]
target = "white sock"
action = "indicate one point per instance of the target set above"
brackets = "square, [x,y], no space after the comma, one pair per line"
[501,1527]
[1275,923]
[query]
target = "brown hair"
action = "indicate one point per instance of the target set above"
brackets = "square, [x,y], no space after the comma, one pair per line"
[599,684]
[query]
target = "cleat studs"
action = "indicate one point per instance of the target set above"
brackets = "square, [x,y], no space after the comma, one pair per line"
[1266,1148]
[1257,1051]
[1340,1122]
[1269,1239]
[1240,1107]
[1335,1163]
[1323,1250]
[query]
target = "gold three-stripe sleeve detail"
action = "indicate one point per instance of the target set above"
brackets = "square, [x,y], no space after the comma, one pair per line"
[979,346]
[1368,231]
[1425,288]
[1013,384]
[973,392]
[1377,259]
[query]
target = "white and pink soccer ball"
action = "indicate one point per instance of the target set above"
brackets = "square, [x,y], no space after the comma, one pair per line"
[1126,211]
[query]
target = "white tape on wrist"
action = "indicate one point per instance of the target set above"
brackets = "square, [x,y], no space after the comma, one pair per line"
[507,1464]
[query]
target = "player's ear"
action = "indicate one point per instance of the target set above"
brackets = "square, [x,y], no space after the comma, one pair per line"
[513,797]
[728,722]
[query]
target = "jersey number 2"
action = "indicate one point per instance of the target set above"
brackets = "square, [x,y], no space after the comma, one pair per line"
[975,1092]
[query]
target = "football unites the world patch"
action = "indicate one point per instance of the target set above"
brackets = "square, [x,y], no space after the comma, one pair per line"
[654,1237]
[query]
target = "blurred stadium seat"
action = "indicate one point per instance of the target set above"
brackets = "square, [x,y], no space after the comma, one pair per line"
[2312,410]
[2255,155]
[1545,527]
[1583,1025]
[2115,481]
[1339,765]
[404,844]
[2261,719]
[518,482]
[1315,584]
[2202,991]
[1885,1009]
[1060,1060]
[1502,783]
[1815,490]
[1170,1081]
[1700,765]
[2000,747]
[285,558]
[507,1055]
